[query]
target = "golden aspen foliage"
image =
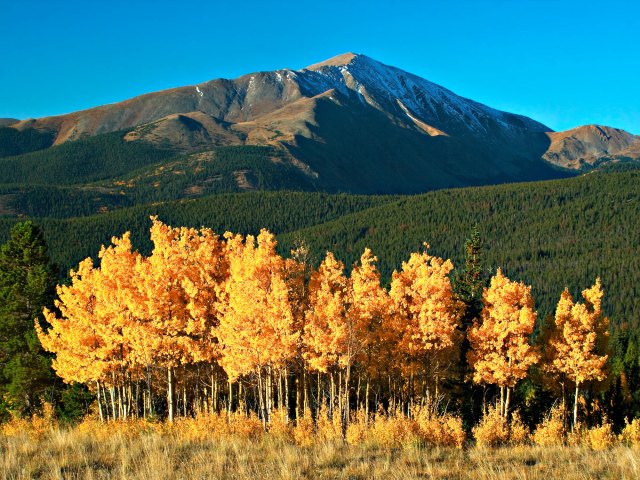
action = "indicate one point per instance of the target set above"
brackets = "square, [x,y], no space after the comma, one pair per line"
[492,430]
[578,342]
[235,332]
[600,437]
[166,333]
[326,337]
[519,432]
[371,337]
[205,269]
[500,351]
[426,314]
[92,338]
[81,352]
[298,270]
[256,318]
[630,434]
[114,286]
[94,315]
[173,301]
[552,429]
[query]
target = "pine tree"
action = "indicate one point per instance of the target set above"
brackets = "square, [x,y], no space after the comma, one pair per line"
[26,286]
[470,282]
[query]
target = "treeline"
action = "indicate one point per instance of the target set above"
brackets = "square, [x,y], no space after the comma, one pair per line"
[219,170]
[207,323]
[87,159]
[16,142]
[75,238]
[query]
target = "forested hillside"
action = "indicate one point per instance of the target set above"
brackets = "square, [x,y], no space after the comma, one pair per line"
[548,234]
[72,239]
[538,232]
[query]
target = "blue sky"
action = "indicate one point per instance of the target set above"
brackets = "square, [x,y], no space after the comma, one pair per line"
[564,63]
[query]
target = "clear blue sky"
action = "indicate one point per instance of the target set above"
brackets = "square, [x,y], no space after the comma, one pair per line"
[564,63]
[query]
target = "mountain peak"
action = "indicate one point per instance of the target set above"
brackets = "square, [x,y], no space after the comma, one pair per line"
[337,61]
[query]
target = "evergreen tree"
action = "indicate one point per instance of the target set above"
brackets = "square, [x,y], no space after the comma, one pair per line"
[468,285]
[27,284]
[470,281]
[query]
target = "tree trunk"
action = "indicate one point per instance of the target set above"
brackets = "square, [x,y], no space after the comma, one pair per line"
[340,398]
[261,400]
[170,393]
[184,400]
[366,400]
[305,397]
[484,400]
[100,403]
[506,404]
[332,395]
[298,397]
[286,393]
[345,403]
[149,396]
[137,400]
[230,399]
[269,403]
[114,412]
[280,394]
[575,406]
[564,406]
[212,404]
[412,389]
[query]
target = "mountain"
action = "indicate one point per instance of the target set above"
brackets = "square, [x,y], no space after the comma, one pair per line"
[590,145]
[348,124]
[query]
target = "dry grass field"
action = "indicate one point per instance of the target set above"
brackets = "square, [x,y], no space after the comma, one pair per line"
[120,451]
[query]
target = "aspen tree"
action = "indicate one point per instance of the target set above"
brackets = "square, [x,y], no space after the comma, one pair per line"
[256,320]
[427,315]
[170,324]
[371,335]
[579,340]
[326,342]
[500,351]
[81,353]
[114,286]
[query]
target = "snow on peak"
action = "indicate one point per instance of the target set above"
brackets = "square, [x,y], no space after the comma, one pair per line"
[351,74]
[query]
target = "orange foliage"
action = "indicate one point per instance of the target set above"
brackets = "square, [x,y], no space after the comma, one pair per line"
[426,314]
[500,351]
[256,321]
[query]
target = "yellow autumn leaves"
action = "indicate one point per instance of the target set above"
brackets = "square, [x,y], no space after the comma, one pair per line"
[231,306]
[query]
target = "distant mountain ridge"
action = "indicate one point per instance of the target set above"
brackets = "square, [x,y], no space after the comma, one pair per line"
[351,124]
[591,145]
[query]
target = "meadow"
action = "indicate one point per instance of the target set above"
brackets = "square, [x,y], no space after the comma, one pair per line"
[190,449]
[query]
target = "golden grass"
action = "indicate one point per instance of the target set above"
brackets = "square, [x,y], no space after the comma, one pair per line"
[136,450]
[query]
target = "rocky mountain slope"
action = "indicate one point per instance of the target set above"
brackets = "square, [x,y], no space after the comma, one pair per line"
[347,124]
[590,145]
